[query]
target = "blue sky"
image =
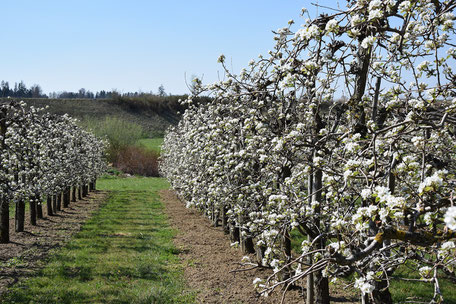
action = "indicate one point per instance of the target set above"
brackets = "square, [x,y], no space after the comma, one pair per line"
[134,45]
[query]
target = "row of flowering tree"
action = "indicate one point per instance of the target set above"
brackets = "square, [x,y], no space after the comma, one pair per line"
[43,155]
[367,179]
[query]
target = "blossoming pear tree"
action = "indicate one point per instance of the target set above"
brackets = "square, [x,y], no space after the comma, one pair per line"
[366,178]
[41,155]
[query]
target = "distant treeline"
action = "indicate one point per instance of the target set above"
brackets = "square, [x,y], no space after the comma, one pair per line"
[20,90]
[86,94]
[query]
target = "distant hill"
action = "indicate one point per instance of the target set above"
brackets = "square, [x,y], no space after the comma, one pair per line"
[153,113]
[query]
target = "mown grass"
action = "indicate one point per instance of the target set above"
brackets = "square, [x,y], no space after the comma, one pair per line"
[151,144]
[403,291]
[123,254]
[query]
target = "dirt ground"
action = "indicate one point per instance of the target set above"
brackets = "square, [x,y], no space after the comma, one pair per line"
[27,250]
[210,261]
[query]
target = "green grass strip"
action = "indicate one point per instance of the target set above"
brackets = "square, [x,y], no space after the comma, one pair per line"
[123,254]
[151,144]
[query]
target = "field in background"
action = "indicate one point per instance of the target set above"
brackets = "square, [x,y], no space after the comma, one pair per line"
[151,144]
[153,120]
[154,113]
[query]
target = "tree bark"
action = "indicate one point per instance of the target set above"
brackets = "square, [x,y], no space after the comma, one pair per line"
[32,204]
[224,217]
[246,242]
[259,251]
[59,201]
[73,194]
[85,190]
[310,294]
[66,197]
[381,293]
[286,247]
[321,283]
[39,209]
[4,222]
[20,216]
[54,204]
[234,233]
[4,205]
[80,193]
[321,289]
[247,245]
[49,205]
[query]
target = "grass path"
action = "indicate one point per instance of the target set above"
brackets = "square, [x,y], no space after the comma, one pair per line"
[123,254]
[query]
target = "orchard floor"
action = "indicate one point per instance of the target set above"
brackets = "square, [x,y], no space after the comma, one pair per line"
[27,250]
[203,256]
[210,264]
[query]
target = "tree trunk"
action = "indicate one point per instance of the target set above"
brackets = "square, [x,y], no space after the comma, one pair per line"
[39,209]
[54,203]
[66,198]
[4,205]
[234,233]
[224,217]
[4,222]
[80,193]
[321,283]
[20,216]
[260,250]
[59,201]
[84,190]
[246,242]
[247,245]
[49,205]
[73,194]
[286,247]
[310,294]
[321,289]
[381,293]
[32,204]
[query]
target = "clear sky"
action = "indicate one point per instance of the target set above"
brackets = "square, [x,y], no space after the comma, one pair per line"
[134,45]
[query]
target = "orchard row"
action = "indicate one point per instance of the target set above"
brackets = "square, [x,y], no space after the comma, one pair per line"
[345,135]
[43,155]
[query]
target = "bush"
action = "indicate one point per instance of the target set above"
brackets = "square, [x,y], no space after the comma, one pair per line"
[138,161]
[119,132]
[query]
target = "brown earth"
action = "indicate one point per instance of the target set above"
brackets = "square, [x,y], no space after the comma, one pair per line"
[28,250]
[211,264]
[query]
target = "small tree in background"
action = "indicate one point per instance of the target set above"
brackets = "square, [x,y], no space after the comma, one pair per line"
[161,91]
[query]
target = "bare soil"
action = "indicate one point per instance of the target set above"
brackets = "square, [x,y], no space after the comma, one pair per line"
[211,264]
[28,250]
